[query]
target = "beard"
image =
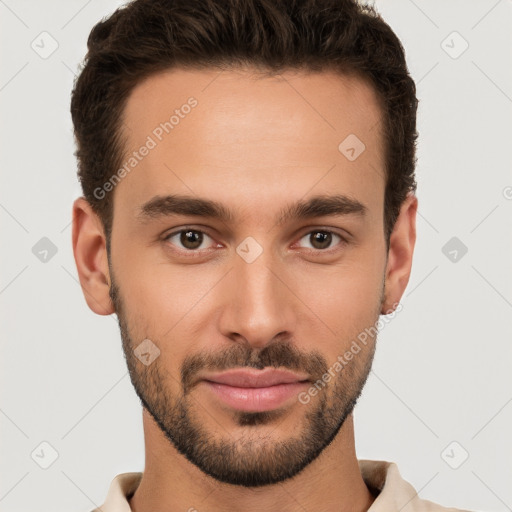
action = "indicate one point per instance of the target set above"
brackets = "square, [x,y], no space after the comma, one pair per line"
[251,460]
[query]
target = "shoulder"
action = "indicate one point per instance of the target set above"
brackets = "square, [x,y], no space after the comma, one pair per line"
[121,489]
[393,493]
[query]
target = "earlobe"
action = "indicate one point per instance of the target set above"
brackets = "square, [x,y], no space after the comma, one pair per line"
[89,249]
[400,254]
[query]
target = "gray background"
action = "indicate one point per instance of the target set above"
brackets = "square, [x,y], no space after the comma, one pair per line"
[442,368]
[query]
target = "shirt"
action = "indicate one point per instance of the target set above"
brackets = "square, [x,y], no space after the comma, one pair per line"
[382,479]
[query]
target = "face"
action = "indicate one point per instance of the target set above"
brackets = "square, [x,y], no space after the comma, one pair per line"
[265,284]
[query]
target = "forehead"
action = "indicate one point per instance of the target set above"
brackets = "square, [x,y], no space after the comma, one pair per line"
[229,131]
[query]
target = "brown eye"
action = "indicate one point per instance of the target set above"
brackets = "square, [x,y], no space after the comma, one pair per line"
[191,239]
[187,239]
[322,239]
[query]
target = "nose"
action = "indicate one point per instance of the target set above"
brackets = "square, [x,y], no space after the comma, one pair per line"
[258,304]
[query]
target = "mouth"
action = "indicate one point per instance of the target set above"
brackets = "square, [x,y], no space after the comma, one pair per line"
[255,390]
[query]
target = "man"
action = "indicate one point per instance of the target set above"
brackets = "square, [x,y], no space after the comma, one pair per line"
[248,213]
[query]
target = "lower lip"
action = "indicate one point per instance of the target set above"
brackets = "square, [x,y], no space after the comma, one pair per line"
[256,399]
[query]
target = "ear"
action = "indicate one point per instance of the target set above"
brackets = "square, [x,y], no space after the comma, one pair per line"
[90,252]
[401,248]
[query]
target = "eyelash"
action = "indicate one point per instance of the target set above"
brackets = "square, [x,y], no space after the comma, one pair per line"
[200,252]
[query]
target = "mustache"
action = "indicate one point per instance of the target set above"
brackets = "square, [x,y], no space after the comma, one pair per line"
[279,354]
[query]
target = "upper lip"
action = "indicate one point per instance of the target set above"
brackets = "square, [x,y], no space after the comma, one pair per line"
[244,378]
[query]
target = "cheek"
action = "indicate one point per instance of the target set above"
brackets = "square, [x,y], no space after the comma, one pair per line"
[346,298]
[155,290]
[348,286]
[171,305]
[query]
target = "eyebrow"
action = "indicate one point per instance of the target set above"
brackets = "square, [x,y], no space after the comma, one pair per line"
[316,206]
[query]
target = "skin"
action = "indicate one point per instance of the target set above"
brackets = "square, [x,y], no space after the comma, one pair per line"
[253,144]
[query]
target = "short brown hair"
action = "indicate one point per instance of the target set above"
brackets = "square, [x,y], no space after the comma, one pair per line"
[145,37]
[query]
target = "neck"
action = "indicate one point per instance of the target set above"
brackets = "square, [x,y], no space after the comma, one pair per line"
[331,483]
